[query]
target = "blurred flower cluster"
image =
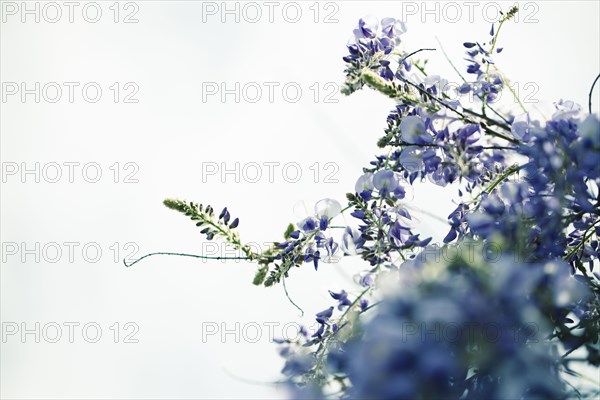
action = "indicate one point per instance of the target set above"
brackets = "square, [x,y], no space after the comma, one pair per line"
[466,330]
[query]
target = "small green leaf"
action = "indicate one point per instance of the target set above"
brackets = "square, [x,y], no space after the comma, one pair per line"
[290,228]
[260,276]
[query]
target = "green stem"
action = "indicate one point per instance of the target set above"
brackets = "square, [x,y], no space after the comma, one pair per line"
[586,236]
[319,363]
[487,70]
[346,208]
[508,172]
[449,61]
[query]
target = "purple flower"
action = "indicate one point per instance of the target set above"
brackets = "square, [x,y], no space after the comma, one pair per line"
[413,131]
[364,183]
[365,279]
[342,298]
[323,316]
[392,28]
[323,222]
[364,303]
[351,241]
[367,28]
[385,181]
[566,109]
[328,207]
[331,248]
[309,224]
[480,223]
[411,159]
[493,205]
[399,234]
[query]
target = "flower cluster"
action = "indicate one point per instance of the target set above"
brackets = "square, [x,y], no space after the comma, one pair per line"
[304,367]
[529,186]
[222,227]
[308,244]
[553,210]
[549,213]
[461,331]
[384,228]
[442,150]
[372,42]
[488,82]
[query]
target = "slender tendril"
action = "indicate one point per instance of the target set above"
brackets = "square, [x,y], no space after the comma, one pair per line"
[163,253]
[591,93]
[289,298]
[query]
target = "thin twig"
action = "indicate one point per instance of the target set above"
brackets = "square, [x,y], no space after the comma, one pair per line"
[439,145]
[413,53]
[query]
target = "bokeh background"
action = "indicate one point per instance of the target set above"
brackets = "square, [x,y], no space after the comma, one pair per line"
[202,329]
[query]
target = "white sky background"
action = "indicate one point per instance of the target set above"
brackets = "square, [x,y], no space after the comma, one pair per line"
[169,134]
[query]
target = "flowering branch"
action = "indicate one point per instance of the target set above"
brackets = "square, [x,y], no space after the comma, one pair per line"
[548,297]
